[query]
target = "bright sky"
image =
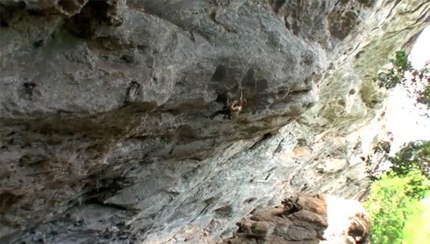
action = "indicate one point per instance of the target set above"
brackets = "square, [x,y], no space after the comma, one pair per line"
[421,51]
[403,118]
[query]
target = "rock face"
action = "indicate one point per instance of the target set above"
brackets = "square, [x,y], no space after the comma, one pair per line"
[105,135]
[306,219]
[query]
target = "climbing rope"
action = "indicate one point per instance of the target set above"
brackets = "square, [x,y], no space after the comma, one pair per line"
[244,74]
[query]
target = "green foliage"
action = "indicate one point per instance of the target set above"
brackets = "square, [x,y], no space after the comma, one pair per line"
[391,201]
[423,96]
[401,63]
[411,233]
[415,155]
[395,75]
[395,198]
[419,89]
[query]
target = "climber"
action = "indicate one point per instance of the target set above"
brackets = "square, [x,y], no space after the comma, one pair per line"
[233,108]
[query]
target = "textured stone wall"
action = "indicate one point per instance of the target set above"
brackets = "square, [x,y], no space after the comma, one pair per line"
[104,106]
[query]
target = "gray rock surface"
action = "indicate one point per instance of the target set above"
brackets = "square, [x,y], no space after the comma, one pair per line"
[104,105]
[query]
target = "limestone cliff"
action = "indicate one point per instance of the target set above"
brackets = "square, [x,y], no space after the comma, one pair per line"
[104,128]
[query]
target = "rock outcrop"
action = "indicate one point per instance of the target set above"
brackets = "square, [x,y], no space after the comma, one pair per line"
[104,105]
[306,219]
